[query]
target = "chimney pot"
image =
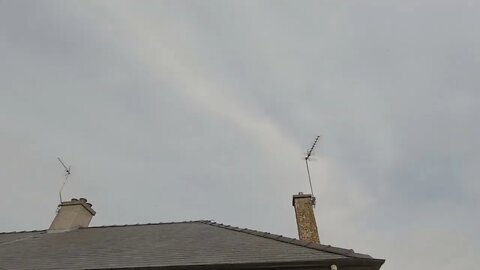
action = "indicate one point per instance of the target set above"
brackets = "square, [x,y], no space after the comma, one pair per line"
[71,215]
[306,224]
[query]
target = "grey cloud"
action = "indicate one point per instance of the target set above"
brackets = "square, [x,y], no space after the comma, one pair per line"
[191,110]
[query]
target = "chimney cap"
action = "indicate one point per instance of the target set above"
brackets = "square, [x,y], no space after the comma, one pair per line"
[82,202]
[301,195]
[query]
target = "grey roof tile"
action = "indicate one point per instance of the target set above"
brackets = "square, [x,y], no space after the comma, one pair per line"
[159,245]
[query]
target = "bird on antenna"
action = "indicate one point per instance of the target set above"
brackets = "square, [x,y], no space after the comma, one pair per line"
[308,156]
[67,174]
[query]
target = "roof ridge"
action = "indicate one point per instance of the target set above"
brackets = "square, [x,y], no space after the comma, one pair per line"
[326,248]
[144,224]
[116,225]
[12,232]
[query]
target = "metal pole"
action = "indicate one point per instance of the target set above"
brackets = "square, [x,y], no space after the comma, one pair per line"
[309,179]
[61,189]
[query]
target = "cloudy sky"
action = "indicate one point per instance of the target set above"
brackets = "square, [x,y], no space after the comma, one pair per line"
[185,110]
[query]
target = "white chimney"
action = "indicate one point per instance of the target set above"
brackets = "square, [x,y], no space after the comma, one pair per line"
[72,215]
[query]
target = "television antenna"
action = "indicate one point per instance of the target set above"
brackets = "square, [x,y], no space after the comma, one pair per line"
[67,174]
[307,158]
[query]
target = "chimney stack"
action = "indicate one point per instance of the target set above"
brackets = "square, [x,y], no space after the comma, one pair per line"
[72,215]
[306,224]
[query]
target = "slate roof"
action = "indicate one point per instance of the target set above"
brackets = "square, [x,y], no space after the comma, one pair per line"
[198,244]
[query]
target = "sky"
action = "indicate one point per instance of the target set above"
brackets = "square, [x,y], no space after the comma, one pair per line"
[188,110]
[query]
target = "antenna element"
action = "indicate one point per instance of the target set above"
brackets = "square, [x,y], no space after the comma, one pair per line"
[67,173]
[307,158]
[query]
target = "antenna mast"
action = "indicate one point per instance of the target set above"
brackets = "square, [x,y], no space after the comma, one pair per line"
[67,174]
[307,158]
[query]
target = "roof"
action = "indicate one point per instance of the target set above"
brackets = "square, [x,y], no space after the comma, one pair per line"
[199,244]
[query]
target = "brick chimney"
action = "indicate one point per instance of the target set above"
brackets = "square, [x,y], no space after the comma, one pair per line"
[72,215]
[306,224]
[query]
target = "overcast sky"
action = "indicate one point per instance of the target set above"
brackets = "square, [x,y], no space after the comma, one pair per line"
[186,110]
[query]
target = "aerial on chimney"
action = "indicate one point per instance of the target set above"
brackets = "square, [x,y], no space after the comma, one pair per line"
[304,204]
[72,215]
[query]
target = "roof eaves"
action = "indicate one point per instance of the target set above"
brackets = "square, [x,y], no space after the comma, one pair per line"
[373,264]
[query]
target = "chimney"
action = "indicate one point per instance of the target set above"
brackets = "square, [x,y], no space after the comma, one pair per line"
[72,215]
[306,224]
